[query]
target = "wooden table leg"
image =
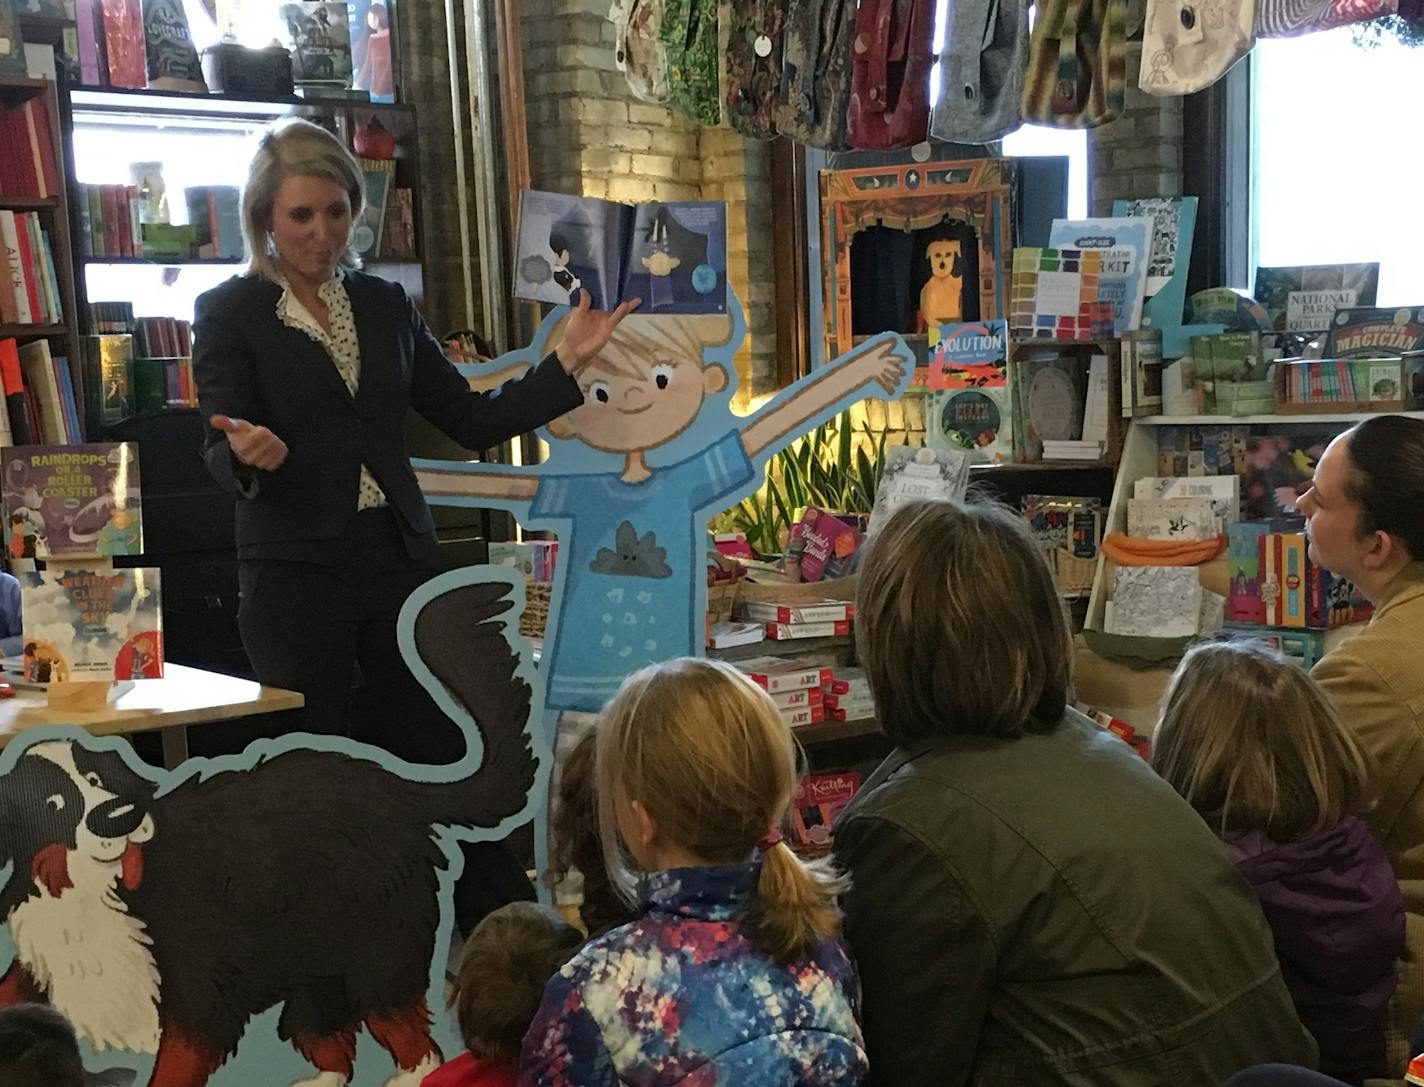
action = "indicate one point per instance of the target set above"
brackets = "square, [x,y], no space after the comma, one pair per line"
[175,747]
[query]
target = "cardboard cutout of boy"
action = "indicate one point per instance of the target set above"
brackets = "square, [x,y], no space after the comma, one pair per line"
[633,476]
[279,917]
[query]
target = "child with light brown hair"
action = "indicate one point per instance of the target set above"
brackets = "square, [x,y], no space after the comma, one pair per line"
[735,960]
[504,966]
[1254,745]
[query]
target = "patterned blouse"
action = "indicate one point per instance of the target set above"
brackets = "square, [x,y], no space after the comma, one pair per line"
[343,348]
[682,996]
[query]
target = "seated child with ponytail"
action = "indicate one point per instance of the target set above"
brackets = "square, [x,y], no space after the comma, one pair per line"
[734,965]
[1255,746]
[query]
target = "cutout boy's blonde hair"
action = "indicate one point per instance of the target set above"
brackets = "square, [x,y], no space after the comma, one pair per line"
[705,751]
[1253,743]
[641,341]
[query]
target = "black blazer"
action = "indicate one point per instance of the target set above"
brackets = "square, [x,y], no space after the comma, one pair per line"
[250,365]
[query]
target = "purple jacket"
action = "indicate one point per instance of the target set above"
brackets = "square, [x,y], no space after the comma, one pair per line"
[1338,920]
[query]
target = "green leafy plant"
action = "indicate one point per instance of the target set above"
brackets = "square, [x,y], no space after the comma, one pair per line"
[835,467]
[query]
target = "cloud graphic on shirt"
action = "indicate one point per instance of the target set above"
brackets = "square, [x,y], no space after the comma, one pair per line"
[632,555]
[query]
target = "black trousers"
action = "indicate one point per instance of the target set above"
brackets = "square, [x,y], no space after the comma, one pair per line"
[316,628]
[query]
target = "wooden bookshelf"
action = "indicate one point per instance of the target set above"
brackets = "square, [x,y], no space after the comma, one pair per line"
[164,262]
[53,212]
[831,731]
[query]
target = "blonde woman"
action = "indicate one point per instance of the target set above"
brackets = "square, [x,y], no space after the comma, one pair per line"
[733,973]
[1029,902]
[1253,744]
[306,367]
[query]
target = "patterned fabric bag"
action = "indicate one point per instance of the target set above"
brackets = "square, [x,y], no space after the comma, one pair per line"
[891,60]
[690,37]
[981,71]
[1187,45]
[755,43]
[1077,73]
[1283,18]
[637,49]
[816,73]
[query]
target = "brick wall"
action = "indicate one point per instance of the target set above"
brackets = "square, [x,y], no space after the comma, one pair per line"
[1139,154]
[589,135]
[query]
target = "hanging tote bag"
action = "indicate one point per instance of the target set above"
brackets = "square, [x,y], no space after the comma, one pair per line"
[1077,70]
[1187,45]
[755,45]
[981,72]
[690,37]
[816,73]
[638,50]
[891,60]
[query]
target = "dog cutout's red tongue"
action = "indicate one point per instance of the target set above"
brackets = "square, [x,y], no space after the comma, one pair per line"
[132,867]
[51,869]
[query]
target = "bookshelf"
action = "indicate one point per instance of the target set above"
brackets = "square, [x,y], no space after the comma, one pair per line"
[53,216]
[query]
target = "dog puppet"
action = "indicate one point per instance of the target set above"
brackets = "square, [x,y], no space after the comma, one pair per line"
[161,920]
[942,296]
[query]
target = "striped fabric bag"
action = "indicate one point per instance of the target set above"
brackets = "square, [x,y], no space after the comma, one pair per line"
[1077,69]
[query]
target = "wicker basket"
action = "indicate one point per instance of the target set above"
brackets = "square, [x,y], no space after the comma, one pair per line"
[536,608]
[1075,575]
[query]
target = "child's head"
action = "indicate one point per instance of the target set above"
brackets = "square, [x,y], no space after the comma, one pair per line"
[1253,743]
[648,384]
[37,1045]
[696,766]
[503,968]
[575,841]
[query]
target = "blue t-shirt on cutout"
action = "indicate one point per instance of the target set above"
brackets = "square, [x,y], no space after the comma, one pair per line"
[631,554]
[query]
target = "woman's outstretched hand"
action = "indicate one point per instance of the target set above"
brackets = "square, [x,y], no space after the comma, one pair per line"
[588,331]
[255,446]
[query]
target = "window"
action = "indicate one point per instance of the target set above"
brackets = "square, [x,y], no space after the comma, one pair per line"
[1335,150]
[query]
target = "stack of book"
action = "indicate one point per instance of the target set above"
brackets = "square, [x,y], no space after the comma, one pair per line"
[795,687]
[29,294]
[109,221]
[42,396]
[115,317]
[847,697]
[27,162]
[802,619]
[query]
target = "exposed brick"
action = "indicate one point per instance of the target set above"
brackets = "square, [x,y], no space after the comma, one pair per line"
[652,115]
[600,111]
[633,139]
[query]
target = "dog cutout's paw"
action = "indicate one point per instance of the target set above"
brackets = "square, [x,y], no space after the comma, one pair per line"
[415,1076]
[324,1079]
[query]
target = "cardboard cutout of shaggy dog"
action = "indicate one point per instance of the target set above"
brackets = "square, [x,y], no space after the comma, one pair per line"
[281,916]
[633,476]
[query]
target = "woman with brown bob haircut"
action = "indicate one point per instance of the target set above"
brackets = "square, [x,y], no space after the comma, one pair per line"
[1029,903]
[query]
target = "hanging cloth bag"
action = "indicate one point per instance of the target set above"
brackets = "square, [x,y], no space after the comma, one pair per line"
[638,50]
[1077,71]
[755,43]
[892,57]
[981,72]
[816,73]
[1187,45]
[690,37]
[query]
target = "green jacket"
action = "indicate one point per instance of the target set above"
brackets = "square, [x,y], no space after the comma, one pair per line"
[1048,911]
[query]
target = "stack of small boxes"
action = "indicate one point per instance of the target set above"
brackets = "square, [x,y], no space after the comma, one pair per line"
[796,687]
[847,696]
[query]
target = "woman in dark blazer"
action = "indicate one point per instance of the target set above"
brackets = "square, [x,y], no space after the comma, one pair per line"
[305,368]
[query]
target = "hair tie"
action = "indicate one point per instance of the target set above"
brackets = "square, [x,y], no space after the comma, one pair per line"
[771,841]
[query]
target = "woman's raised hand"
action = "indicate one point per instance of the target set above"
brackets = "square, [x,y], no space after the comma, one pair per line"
[588,330]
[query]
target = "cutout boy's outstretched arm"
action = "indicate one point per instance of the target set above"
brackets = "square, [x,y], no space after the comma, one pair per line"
[883,363]
[473,484]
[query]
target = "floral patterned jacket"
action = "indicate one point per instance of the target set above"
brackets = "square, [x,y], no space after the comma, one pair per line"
[681,996]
